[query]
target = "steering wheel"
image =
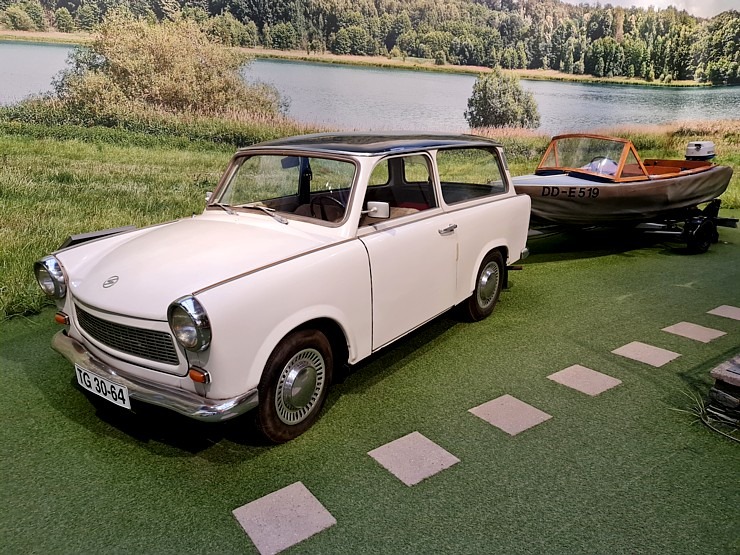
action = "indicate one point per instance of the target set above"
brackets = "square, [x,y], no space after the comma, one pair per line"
[322,202]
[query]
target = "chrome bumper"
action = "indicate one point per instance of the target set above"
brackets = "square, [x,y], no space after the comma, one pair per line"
[173,398]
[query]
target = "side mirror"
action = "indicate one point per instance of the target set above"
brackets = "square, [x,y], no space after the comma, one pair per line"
[209,194]
[380,210]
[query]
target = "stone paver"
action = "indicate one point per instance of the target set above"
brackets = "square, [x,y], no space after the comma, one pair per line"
[694,331]
[584,380]
[510,414]
[413,458]
[642,352]
[283,518]
[727,311]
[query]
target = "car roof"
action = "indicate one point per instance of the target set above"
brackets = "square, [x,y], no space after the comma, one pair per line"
[370,144]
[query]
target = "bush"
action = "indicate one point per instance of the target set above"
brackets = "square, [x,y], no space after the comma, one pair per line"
[18,19]
[498,100]
[133,66]
[64,21]
[440,58]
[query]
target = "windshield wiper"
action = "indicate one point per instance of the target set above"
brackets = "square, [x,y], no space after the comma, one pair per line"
[224,207]
[269,211]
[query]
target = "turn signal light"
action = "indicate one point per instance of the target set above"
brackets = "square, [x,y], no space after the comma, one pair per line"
[61,318]
[198,375]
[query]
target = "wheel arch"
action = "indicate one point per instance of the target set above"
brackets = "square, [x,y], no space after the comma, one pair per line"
[333,332]
[500,247]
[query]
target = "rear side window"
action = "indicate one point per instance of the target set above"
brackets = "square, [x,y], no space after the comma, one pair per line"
[469,173]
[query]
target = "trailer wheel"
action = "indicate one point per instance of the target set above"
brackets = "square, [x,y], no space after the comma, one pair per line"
[700,233]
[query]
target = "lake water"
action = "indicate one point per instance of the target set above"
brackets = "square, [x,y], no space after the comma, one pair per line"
[366,99]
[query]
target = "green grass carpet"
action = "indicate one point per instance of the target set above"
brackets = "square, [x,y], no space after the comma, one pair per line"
[619,473]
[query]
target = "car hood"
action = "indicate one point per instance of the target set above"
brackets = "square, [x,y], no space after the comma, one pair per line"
[140,273]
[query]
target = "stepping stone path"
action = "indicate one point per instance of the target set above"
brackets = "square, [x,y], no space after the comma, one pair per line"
[726,311]
[283,518]
[413,458]
[694,331]
[642,352]
[291,515]
[510,414]
[584,380]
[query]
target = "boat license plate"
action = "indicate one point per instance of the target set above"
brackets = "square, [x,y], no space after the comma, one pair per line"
[117,394]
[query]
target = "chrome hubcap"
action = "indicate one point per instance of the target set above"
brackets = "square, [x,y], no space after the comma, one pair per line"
[300,385]
[488,285]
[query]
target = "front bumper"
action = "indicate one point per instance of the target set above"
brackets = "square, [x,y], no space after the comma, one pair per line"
[178,400]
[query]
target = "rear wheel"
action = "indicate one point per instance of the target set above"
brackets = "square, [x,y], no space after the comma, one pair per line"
[294,385]
[488,284]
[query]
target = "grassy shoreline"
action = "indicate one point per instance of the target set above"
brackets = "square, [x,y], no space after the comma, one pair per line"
[382,62]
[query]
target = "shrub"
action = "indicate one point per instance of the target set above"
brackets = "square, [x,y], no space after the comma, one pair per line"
[35,12]
[440,58]
[64,21]
[172,67]
[18,19]
[498,100]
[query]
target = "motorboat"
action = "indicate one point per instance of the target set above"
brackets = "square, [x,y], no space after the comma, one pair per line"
[593,180]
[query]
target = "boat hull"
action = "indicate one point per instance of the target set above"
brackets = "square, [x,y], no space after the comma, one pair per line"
[569,200]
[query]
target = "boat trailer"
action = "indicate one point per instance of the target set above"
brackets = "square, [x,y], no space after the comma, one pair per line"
[697,229]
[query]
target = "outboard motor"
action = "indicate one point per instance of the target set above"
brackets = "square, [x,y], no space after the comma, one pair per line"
[700,150]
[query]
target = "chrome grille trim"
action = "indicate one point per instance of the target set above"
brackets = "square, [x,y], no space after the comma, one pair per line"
[139,342]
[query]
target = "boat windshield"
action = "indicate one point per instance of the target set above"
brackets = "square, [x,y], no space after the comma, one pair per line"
[598,155]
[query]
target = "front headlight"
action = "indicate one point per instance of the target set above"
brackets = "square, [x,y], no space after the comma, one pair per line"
[189,324]
[50,277]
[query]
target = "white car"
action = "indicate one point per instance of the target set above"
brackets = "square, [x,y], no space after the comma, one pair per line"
[313,252]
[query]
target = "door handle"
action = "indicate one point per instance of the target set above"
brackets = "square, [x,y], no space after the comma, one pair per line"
[448,230]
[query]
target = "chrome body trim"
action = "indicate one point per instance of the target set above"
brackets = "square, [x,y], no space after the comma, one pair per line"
[181,401]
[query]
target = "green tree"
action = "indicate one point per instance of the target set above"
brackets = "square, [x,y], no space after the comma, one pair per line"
[64,21]
[35,12]
[498,100]
[284,36]
[87,16]
[18,19]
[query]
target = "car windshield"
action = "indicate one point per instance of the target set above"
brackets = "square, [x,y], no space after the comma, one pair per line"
[305,186]
[595,155]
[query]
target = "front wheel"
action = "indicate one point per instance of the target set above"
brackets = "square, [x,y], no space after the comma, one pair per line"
[294,385]
[488,284]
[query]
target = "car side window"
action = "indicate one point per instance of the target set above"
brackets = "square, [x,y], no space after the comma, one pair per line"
[405,183]
[469,173]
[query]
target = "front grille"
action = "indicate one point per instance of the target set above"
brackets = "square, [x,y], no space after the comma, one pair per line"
[149,344]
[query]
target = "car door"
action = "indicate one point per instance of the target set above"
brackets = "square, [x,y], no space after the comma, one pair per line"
[413,253]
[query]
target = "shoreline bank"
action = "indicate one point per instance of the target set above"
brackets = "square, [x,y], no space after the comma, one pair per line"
[381,62]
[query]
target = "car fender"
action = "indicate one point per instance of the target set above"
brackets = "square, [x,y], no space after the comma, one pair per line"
[249,316]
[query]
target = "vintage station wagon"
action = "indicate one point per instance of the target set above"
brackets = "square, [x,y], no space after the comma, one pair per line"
[312,252]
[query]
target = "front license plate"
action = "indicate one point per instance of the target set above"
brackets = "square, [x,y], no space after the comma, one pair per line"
[115,393]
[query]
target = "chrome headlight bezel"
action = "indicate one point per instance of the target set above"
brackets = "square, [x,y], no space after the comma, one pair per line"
[50,277]
[190,324]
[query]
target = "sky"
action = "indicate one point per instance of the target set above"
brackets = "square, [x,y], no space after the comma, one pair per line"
[699,8]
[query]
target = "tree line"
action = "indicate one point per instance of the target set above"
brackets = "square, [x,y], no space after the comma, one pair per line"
[603,41]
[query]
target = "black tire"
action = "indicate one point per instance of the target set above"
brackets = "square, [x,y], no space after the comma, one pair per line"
[294,385]
[700,234]
[488,284]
